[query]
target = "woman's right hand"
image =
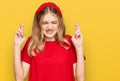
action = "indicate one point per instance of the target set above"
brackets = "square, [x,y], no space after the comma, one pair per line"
[19,37]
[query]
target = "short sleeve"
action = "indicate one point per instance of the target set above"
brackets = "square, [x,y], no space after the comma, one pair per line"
[72,51]
[73,54]
[24,53]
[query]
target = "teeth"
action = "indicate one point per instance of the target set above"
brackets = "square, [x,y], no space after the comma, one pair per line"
[49,31]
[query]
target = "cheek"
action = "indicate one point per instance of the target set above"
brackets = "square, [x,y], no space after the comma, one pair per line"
[43,28]
[56,27]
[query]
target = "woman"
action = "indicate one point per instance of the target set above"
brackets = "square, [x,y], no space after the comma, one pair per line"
[49,54]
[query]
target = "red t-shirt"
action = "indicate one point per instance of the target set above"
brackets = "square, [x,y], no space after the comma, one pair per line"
[55,63]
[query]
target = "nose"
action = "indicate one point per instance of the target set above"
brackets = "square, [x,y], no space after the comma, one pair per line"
[49,26]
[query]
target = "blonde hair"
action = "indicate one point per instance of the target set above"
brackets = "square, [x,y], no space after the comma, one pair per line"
[38,41]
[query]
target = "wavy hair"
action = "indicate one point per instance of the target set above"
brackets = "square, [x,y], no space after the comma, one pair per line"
[37,39]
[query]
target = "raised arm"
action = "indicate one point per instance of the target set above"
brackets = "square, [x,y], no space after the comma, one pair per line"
[20,68]
[79,66]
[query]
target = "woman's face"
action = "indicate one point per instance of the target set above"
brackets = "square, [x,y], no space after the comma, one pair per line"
[49,26]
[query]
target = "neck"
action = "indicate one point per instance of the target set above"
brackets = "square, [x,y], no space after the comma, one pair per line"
[48,39]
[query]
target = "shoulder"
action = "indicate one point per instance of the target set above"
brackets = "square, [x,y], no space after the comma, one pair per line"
[28,41]
[68,38]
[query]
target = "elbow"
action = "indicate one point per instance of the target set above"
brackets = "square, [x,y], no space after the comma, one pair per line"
[19,78]
[79,78]
[80,73]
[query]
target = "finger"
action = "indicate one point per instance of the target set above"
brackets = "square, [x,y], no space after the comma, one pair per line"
[21,26]
[21,29]
[77,31]
[20,32]
[78,35]
[77,26]
[17,34]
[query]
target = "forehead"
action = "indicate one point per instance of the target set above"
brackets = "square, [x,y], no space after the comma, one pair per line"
[49,17]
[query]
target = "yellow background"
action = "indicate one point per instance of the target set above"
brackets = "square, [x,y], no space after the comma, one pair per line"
[100,25]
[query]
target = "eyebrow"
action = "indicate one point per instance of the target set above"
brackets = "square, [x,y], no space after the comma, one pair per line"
[50,21]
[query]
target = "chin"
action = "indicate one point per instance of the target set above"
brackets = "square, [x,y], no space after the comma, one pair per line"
[50,36]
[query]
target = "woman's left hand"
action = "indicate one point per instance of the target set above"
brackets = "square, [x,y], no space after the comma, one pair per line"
[77,37]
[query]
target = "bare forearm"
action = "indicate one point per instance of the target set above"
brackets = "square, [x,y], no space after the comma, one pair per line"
[80,65]
[19,75]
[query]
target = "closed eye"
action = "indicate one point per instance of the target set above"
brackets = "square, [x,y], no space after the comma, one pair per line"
[54,22]
[44,23]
